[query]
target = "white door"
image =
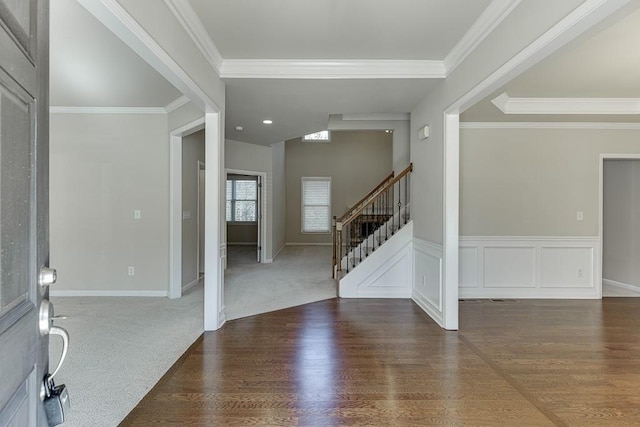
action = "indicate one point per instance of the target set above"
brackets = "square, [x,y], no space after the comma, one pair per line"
[24,208]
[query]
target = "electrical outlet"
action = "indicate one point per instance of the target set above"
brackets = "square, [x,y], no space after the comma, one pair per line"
[580,216]
[131,271]
[580,273]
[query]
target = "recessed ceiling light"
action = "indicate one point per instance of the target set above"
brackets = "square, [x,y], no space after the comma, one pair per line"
[267,121]
[239,128]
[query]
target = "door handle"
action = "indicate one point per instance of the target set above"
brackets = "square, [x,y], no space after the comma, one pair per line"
[56,330]
[47,328]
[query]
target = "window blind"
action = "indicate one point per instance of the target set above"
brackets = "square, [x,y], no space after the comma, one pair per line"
[242,197]
[316,205]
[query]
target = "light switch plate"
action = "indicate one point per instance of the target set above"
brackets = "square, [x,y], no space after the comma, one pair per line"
[137,214]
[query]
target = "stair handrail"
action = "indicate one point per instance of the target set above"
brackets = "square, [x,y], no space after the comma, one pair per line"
[387,186]
[353,213]
[367,197]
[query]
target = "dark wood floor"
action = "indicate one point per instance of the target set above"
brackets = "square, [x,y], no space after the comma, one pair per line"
[385,363]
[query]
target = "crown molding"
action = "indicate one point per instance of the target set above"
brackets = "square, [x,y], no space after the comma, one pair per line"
[509,105]
[339,69]
[492,16]
[188,18]
[551,125]
[376,117]
[332,69]
[174,105]
[106,110]
[124,26]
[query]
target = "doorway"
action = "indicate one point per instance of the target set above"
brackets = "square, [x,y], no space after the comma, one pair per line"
[244,216]
[620,225]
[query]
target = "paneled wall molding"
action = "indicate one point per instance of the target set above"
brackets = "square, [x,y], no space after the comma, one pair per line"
[530,267]
[386,272]
[428,281]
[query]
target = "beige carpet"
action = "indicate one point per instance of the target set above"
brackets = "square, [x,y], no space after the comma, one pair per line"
[299,275]
[120,347]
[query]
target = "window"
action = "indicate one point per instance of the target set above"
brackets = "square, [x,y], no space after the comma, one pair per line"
[242,199]
[322,136]
[316,205]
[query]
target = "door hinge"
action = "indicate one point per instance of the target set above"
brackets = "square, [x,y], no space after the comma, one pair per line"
[259,248]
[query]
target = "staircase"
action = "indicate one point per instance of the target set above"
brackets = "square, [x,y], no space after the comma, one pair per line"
[373,221]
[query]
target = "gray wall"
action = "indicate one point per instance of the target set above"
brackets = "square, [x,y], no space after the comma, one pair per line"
[192,152]
[255,158]
[103,167]
[621,221]
[532,182]
[355,160]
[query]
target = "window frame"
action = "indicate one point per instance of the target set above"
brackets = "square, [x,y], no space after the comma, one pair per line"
[305,139]
[233,199]
[302,204]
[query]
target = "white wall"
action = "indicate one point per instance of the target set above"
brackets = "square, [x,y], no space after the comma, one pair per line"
[279,199]
[255,158]
[103,167]
[192,152]
[621,222]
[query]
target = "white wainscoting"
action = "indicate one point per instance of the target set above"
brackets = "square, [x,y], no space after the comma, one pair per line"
[529,267]
[427,278]
[386,273]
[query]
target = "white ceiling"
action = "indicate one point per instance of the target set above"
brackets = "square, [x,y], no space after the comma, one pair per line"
[90,67]
[337,29]
[602,64]
[299,106]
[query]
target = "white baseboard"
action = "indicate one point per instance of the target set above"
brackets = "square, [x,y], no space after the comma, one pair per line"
[308,244]
[188,286]
[242,243]
[625,288]
[123,293]
[270,260]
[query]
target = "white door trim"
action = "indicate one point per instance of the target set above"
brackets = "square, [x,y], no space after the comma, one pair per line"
[263,208]
[175,204]
[200,167]
[603,157]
